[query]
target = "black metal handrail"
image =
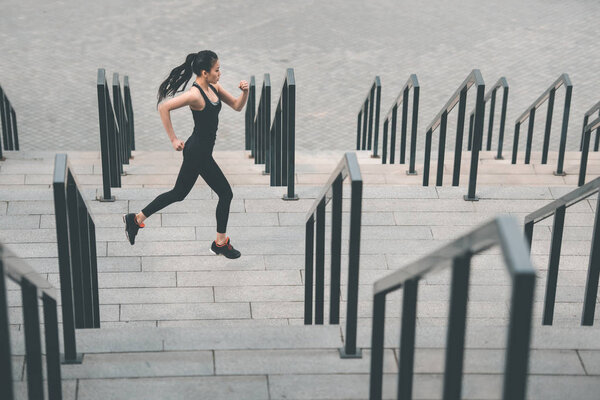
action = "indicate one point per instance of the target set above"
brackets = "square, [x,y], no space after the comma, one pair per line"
[76,240]
[587,133]
[283,138]
[530,113]
[371,106]
[412,83]
[32,286]
[116,132]
[332,190]
[249,115]
[10,134]
[261,126]
[491,94]
[586,117]
[502,231]
[459,97]
[558,209]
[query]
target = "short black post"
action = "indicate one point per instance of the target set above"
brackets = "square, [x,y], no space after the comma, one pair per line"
[377,338]
[407,339]
[455,342]
[548,128]
[591,285]
[129,111]
[320,265]
[371,112]
[336,250]
[358,130]
[365,112]
[384,150]
[553,263]
[308,269]
[33,344]
[377,112]
[104,137]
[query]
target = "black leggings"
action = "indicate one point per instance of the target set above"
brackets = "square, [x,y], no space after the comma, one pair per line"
[205,166]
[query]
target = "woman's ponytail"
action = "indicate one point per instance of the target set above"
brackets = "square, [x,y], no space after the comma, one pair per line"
[194,63]
[179,76]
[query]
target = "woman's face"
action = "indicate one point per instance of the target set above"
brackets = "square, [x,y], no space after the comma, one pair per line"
[214,74]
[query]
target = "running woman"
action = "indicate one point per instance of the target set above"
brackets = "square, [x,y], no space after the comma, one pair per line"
[204,99]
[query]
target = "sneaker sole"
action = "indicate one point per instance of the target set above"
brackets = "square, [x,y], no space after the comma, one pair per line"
[126,233]
[213,252]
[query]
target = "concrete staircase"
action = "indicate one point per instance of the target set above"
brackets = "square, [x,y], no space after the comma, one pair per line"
[180,323]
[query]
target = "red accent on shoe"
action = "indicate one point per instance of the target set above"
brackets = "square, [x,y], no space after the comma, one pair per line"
[226,243]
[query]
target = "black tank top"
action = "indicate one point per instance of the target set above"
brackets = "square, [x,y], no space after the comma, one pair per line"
[206,121]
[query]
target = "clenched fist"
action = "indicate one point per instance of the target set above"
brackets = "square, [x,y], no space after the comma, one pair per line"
[178,144]
[243,86]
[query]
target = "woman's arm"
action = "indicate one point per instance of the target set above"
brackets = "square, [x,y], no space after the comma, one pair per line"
[164,109]
[227,98]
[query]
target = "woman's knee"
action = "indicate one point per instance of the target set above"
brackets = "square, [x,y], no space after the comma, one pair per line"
[226,194]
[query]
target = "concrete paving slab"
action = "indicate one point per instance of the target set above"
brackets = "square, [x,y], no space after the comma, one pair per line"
[238,278]
[141,365]
[202,263]
[156,295]
[241,387]
[17,221]
[162,311]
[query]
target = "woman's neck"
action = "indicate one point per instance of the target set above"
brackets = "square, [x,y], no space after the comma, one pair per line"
[203,83]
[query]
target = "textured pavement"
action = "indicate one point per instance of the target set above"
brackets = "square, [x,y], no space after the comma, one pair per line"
[52,50]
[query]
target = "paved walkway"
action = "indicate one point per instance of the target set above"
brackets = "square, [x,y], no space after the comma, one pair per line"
[52,50]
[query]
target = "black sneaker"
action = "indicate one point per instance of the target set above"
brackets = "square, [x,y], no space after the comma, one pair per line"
[131,227]
[227,249]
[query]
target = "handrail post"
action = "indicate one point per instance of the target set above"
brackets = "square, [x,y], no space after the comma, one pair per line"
[33,344]
[377,342]
[515,143]
[365,112]
[358,130]
[129,112]
[548,127]
[308,269]
[377,112]
[393,135]
[413,136]
[350,350]
[384,150]
[427,161]
[553,262]
[336,249]
[104,138]
[455,342]
[519,336]
[584,155]
[291,135]
[502,122]
[407,339]
[371,111]
[563,134]
[6,378]
[404,126]
[529,136]
[591,285]
[477,136]
[460,127]
[52,348]
[320,264]
[488,146]
[441,150]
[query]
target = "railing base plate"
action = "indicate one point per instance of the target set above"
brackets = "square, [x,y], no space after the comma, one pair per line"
[375,156]
[266,173]
[286,198]
[559,174]
[498,158]
[343,354]
[467,198]
[123,173]
[103,200]
[412,173]
[78,359]
[2,159]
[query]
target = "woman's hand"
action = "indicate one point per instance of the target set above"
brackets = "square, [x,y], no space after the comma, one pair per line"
[178,144]
[243,86]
